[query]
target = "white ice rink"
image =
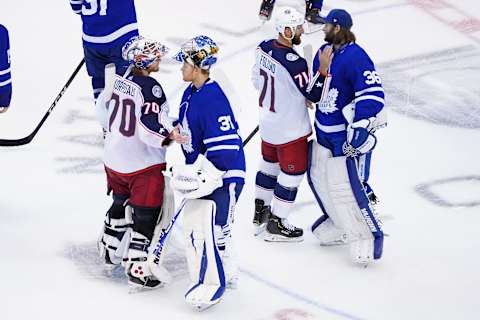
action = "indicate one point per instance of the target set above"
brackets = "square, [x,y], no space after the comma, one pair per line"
[425,169]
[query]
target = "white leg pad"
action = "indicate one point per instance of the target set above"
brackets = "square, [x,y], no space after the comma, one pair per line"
[350,218]
[330,235]
[204,262]
[317,175]
[166,215]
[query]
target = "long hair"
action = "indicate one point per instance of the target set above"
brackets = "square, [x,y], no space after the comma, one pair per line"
[344,36]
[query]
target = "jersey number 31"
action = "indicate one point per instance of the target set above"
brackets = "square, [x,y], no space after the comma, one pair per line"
[94,4]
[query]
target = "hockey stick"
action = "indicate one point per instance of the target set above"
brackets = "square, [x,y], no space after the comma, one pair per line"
[165,232]
[29,138]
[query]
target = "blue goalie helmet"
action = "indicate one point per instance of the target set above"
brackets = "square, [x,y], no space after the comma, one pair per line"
[200,51]
[142,52]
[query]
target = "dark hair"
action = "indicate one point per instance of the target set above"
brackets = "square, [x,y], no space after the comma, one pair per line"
[344,36]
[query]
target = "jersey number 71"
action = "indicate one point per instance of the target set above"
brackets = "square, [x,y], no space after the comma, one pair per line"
[265,76]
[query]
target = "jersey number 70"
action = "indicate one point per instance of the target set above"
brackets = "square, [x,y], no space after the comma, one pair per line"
[128,118]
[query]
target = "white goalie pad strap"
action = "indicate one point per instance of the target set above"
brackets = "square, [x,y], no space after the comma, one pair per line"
[204,262]
[317,179]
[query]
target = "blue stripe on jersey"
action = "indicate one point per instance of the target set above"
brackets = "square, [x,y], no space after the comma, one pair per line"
[76,6]
[106,22]
[207,118]
[5,75]
[353,80]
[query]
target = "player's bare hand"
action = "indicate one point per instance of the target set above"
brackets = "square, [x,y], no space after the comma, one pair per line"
[176,136]
[309,104]
[3,109]
[325,58]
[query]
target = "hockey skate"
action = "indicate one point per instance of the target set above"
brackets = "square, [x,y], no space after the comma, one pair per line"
[313,16]
[260,218]
[280,230]
[266,10]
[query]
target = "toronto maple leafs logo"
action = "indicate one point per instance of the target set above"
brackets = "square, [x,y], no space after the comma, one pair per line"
[185,131]
[328,104]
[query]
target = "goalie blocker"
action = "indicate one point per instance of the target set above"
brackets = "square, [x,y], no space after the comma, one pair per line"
[347,214]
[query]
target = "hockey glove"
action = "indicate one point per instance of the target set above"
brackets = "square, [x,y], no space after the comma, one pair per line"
[360,139]
[196,180]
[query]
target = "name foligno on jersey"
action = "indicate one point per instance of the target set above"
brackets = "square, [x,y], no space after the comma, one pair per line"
[267,63]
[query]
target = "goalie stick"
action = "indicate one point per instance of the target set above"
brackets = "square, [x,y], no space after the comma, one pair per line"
[157,252]
[29,138]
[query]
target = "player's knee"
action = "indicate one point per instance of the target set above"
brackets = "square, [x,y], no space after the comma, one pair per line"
[269,168]
[117,209]
[145,220]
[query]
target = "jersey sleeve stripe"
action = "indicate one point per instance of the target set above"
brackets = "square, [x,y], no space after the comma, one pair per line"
[370,97]
[234,174]
[80,2]
[4,83]
[224,147]
[371,89]
[2,72]
[221,138]
[112,36]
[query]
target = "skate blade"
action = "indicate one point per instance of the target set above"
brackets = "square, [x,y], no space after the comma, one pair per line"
[277,238]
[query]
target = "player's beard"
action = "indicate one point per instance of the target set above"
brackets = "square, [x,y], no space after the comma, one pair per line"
[297,39]
[330,37]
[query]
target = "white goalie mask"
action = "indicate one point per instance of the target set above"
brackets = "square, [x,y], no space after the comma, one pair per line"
[288,17]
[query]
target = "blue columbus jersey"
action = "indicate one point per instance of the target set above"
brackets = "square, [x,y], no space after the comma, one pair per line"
[352,80]
[5,76]
[207,119]
[106,22]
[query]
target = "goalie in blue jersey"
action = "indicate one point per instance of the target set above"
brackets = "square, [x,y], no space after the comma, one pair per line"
[5,75]
[107,25]
[212,178]
[350,110]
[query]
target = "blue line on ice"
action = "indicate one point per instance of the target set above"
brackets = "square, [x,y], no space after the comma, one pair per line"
[298,296]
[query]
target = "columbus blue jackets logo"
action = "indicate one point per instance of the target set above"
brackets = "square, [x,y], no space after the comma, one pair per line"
[292,57]
[157,91]
[328,104]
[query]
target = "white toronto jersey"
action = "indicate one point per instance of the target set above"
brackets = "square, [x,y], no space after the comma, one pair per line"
[131,144]
[277,73]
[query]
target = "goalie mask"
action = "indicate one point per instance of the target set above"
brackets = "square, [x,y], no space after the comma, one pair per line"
[142,53]
[200,51]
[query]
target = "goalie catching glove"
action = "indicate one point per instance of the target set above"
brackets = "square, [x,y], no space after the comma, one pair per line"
[360,138]
[194,181]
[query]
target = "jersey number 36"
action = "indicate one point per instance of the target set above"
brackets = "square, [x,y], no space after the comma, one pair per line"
[372,77]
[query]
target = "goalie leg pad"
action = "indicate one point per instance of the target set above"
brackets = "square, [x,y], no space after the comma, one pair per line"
[139,265]
[204,261]
[115,226]
[329,224]
[355,214]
